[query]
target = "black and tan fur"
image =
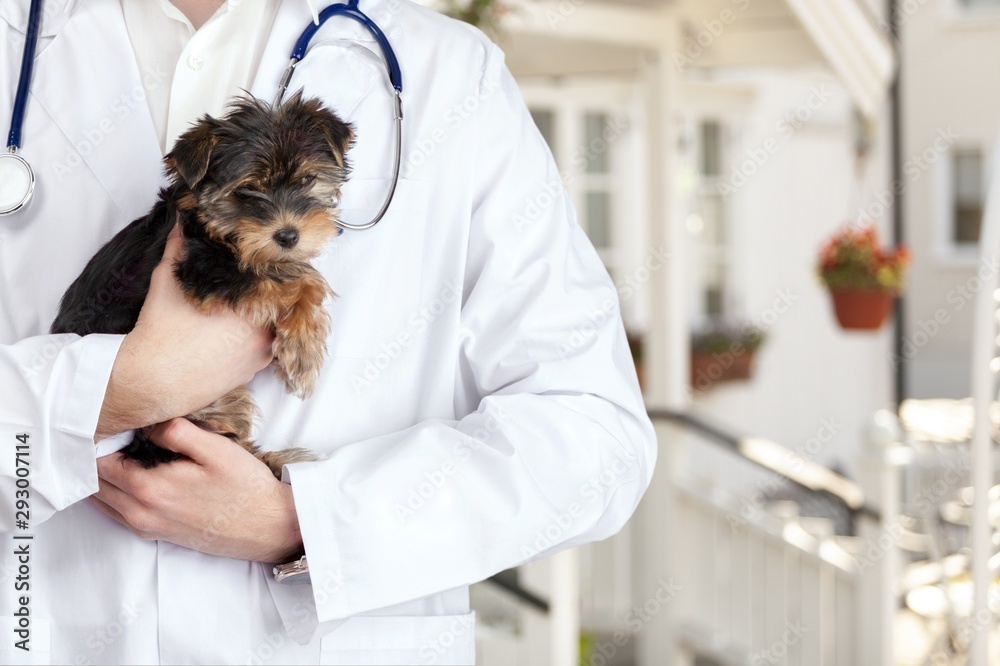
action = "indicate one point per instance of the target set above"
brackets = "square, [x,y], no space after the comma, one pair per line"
[256,194]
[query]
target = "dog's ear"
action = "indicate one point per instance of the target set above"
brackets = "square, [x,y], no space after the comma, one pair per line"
[339,136]
[190,156]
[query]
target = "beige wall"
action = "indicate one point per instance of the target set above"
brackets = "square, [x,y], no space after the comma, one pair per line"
[949,80]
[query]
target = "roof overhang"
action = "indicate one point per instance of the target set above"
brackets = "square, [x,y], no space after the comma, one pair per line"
[603,37]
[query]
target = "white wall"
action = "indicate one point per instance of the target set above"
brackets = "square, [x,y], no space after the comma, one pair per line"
[811,378]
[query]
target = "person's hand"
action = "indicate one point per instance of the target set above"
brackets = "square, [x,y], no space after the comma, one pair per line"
[178,359]
[221,500]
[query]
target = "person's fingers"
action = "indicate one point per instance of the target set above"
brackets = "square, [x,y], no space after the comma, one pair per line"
[181,436]
[117,470]
[108,511]
[115,498]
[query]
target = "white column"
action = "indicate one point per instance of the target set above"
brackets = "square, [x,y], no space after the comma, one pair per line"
[666,356]
[983,393]
[564,608]
[881,566]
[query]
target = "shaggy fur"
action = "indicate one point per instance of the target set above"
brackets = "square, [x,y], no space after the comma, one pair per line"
[256,194]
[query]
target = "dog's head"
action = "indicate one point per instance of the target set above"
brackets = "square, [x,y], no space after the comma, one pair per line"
[265,181]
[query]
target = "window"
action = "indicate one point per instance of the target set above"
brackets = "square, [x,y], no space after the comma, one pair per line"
[709,223]
[545,120]
[979,4]
[968,195]
[596,180]
[585,140]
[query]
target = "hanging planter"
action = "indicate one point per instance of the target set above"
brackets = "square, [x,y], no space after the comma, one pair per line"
[723,352]
[862,309]
[863,279]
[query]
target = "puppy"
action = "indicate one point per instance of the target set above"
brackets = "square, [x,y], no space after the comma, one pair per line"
[256,194]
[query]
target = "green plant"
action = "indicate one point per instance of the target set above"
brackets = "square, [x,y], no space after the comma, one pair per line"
[484,14]
[852,259]
[720,336]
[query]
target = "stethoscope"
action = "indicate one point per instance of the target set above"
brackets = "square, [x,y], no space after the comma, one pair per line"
[17,180]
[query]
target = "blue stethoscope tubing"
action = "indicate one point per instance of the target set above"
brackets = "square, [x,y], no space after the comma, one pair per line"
[13,167]
[352,11]
[16,175]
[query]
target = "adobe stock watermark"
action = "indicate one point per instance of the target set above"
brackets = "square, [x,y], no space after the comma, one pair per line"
[913,169]
[777,652]
[454,118]
[102,639]
[722,361]
[710,30]
[418,322]
[795,460]
[592,492]
[786,128]
[627,287]
[554,191]
[604,652]
[958,297]
[459,629]
[121,108]
[434,480]
[965,632]
[562,12]
[301,614]
[924,502]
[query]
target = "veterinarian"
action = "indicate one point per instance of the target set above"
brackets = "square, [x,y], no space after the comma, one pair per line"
[478,407]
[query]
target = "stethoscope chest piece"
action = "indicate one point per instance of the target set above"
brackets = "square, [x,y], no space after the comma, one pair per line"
[17,183]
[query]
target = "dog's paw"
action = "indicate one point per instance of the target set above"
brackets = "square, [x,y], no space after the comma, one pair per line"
[298,364]
[275,460]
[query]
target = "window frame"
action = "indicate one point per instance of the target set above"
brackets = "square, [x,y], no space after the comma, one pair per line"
[947,253]
[570,101]
[727,104]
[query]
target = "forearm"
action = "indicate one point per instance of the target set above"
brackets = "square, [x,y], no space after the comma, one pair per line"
[130,401]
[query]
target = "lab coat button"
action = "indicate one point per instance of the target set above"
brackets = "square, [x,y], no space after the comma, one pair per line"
[195,62]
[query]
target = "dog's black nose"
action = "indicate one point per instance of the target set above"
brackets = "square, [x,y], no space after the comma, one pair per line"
[287,237]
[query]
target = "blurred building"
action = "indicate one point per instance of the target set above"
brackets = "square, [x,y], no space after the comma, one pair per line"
[710,147]
[948,90]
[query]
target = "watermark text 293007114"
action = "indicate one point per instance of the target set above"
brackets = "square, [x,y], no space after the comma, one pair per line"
[22,541]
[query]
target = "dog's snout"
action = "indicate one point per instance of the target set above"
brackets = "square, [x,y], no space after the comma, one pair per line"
[287,237]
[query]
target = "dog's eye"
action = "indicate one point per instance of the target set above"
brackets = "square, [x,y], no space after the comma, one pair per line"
[245,194]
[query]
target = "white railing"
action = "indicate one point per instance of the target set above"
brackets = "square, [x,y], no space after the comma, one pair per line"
[696,575]
[764,589]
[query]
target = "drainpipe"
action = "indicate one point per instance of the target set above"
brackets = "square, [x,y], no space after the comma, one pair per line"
[898,232]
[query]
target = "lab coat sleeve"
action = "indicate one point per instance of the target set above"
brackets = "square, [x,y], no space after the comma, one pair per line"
[555,449]
[53,389]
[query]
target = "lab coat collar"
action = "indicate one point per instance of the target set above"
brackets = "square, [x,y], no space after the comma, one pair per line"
[112,134]
[292,18]
[54,14]
[382,12]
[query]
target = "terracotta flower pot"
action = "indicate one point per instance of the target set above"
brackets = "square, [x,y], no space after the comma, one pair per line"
[862,309]
[707,370]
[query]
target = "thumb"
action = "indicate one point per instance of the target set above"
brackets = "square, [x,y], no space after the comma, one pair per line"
[173,251]
[180,436]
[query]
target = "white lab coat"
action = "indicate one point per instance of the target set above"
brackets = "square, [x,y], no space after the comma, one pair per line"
[478,406]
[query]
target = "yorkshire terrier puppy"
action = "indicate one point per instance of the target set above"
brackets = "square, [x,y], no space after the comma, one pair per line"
[256,194]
